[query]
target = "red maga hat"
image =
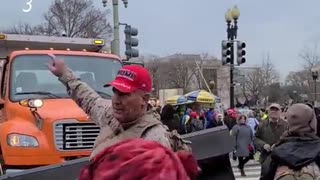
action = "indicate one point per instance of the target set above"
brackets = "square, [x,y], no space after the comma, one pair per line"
[132,78]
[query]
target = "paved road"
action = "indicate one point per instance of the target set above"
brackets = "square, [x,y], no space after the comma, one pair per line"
[252,170]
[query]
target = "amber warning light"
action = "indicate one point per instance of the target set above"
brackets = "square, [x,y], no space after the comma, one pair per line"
[98,42]
[2,37]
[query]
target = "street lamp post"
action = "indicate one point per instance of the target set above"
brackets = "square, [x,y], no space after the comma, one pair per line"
[231,17]
[115,44]
[315,76]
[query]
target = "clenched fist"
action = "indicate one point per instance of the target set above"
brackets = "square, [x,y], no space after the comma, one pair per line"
[56,66]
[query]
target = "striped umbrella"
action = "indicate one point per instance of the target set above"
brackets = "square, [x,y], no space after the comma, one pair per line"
[201,96]
[178,100]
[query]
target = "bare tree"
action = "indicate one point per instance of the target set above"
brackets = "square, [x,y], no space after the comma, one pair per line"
[177,71]
[180,72]
[21,28]
[269,73]
[74,18]
[299,80]
[254,85]
[310,55]
[259,79]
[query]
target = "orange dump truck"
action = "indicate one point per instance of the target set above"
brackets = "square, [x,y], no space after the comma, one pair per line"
[40,124]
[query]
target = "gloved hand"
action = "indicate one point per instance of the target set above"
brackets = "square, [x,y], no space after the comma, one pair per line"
[267,147]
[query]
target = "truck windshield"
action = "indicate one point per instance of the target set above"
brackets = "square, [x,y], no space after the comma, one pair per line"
[30,77]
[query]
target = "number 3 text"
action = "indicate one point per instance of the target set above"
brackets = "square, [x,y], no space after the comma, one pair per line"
[29,4]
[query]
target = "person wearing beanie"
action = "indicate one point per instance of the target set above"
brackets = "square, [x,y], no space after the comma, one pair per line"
[298,151]
[138,159]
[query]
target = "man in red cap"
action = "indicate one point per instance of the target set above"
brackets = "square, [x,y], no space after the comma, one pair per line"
[127,117]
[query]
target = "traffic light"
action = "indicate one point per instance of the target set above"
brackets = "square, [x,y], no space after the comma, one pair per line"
[241,52]
[226,52]
[131,42]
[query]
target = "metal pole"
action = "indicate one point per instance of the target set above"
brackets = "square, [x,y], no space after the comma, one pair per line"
[315,91]
[115,45]
[231,75]
[204,79]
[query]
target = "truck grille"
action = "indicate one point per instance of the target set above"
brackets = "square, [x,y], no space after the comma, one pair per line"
[75,136]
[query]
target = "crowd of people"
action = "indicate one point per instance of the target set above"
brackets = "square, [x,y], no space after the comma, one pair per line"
[287,139]
[188,118]
[259,130]
[133,144]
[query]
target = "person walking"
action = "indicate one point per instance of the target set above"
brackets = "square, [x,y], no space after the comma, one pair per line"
[244,142]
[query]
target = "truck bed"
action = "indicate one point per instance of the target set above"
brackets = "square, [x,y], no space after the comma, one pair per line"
[14,42]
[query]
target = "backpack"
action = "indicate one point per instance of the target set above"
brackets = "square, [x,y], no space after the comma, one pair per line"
[310,172]
[177,142]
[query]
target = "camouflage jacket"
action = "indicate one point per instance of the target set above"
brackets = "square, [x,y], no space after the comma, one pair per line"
[100,111]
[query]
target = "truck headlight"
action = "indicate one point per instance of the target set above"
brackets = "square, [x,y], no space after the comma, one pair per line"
[19,140]
[32,103]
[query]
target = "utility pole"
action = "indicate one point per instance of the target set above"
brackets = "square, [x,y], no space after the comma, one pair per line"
[115,44]
[315,76]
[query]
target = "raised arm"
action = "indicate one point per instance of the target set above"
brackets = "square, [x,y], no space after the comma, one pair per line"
[92,103]
[96,107]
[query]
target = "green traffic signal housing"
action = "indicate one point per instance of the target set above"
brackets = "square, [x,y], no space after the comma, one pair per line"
[131,42]
[241,52]
[226,51]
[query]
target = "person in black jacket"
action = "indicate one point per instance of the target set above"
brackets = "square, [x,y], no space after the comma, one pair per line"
[168,117]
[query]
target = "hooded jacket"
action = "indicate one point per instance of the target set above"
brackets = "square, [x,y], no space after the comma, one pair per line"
[299,147]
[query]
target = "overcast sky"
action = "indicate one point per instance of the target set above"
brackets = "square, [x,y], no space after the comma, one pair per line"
[280,28]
